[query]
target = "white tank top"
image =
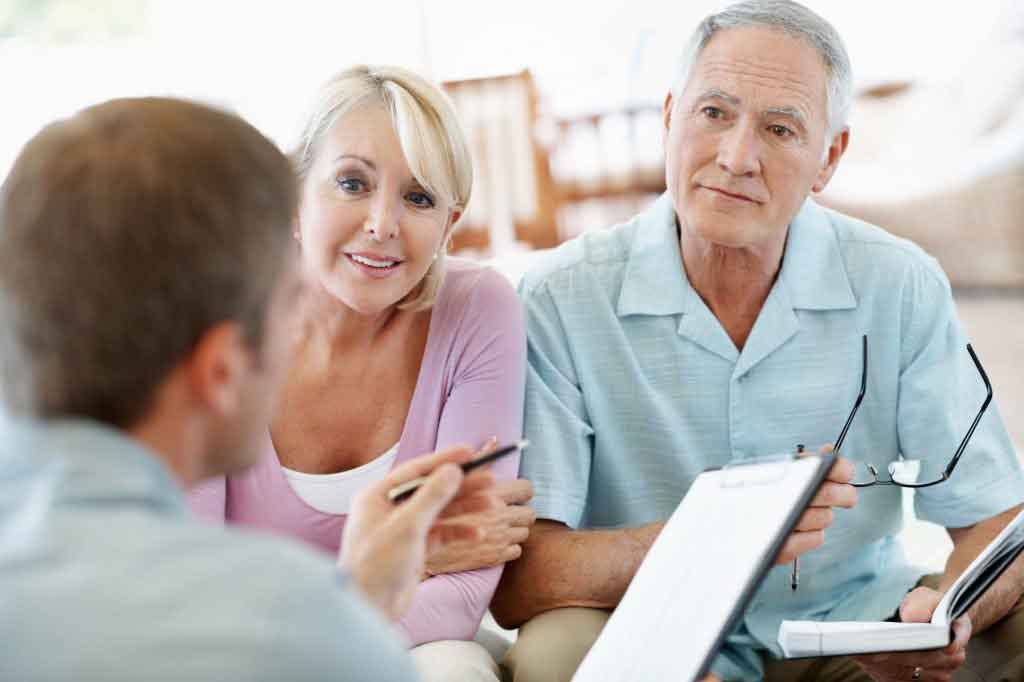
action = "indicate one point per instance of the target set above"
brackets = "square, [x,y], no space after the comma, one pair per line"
[333,493]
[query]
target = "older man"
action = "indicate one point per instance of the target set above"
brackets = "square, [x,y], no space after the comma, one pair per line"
[725,323]
[145,292]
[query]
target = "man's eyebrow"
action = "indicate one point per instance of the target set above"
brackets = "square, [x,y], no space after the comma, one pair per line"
[791,112]
[715,93]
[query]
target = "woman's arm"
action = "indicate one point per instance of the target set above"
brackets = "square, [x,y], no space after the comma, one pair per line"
[485,401]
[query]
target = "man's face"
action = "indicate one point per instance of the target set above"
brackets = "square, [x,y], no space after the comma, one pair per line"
[241,440]
[746,138]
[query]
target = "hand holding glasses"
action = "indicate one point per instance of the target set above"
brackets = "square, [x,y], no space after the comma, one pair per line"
[904,472]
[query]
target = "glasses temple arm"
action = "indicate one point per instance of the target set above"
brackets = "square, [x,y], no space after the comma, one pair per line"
[984,406]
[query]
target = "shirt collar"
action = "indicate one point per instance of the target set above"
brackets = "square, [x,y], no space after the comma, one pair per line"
[655,282]
[87,462]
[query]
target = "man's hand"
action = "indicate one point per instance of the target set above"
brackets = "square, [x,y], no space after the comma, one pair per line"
[939,664]
[384,545]
[502,520]
[835,491]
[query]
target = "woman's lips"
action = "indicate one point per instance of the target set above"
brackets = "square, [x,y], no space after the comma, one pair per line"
[373,265]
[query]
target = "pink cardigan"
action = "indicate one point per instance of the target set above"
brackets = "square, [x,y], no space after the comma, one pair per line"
[470,388]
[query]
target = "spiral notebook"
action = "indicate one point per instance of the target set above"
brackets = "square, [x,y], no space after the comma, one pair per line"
[694,585]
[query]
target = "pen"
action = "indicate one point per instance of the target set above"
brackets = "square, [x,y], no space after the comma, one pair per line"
[794,578]
[402,492]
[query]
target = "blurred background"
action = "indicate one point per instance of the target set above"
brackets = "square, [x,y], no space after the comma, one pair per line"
[561,102]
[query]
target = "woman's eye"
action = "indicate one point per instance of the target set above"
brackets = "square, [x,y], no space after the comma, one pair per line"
[351,184]
[420,199]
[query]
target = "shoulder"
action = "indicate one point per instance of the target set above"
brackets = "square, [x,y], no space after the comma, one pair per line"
[475,296]
[871,252]
[592,260]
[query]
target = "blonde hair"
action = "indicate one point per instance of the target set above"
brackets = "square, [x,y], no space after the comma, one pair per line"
[428,131]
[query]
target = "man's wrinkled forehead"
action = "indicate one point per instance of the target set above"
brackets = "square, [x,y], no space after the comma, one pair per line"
[762,68]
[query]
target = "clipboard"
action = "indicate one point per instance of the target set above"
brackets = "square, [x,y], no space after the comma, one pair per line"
[699,576]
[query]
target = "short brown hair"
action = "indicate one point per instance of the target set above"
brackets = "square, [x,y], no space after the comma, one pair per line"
[127,232]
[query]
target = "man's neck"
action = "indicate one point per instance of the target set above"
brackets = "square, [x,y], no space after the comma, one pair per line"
[733,282]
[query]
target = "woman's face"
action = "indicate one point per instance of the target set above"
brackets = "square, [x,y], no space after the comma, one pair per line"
[369,230]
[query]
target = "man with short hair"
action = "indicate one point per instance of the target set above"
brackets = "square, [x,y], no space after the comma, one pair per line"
[145,290]
[725,323]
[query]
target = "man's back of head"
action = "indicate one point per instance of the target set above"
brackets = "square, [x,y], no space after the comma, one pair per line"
[126,233]
[143,256]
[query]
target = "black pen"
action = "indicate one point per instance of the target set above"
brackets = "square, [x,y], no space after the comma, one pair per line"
[794,578]
[402,492]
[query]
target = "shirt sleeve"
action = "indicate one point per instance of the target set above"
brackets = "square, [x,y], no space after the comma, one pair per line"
[485,400]
[556,420]
[208,499]
[940,392]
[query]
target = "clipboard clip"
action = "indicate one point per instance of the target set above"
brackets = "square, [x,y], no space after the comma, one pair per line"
[756,471]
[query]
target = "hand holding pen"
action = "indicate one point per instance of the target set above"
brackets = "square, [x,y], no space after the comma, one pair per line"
[809,533]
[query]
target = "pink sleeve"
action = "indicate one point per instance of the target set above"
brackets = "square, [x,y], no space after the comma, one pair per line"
[486,399]
[208,499]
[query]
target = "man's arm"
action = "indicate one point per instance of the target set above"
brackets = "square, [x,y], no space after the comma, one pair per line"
[968,544]
[562,567]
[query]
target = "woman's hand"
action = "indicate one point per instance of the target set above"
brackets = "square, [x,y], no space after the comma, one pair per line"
[384,544]
[503,524]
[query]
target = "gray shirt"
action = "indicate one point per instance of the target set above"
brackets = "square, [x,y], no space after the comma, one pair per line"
[104,575]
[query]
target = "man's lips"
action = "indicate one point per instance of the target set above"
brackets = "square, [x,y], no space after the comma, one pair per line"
[733,195]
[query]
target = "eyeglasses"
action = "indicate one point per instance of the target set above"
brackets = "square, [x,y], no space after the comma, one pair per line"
[906,472]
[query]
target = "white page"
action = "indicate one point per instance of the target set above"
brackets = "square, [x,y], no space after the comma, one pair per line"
[696,572]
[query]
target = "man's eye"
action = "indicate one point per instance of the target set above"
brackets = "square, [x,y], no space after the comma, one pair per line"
[420,199]
[713,112]
[351,184]
[780,131]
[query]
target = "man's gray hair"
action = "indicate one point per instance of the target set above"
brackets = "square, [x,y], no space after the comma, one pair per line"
[799,22]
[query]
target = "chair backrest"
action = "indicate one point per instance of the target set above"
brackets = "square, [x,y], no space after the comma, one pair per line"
[513,193]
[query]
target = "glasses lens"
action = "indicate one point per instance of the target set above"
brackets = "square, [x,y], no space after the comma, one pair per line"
[862,474]
[906,471]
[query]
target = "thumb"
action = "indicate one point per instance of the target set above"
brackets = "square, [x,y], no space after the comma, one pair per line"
[917,607]
[433,496]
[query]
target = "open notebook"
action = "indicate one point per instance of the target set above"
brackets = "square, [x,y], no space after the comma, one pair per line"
[695,582]
[803,638]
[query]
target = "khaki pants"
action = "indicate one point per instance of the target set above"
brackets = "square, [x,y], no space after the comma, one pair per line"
[551,646]
[454,661]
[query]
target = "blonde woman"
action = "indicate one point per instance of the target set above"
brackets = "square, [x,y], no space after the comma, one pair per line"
[401,351]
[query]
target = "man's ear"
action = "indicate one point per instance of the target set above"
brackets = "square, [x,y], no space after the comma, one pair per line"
[835,152]
[217,368]
[666,117]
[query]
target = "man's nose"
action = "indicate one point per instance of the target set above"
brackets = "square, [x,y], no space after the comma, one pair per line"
[739,150]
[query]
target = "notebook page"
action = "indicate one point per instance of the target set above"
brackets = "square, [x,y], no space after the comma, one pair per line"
[700,567]
[1007,539]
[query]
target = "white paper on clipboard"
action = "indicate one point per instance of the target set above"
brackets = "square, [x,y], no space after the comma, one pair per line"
[706,564]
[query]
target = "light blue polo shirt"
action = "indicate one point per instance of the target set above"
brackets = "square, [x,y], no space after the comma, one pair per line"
[634,388]
[105,576]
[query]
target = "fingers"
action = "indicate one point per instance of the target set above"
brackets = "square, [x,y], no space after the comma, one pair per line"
[800,543]
[918,605]
[832,494]
[815,518]
[519,491]
[423,465]
[521,516]
[962,628]
[841,471]
[487,448]
[423,508]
